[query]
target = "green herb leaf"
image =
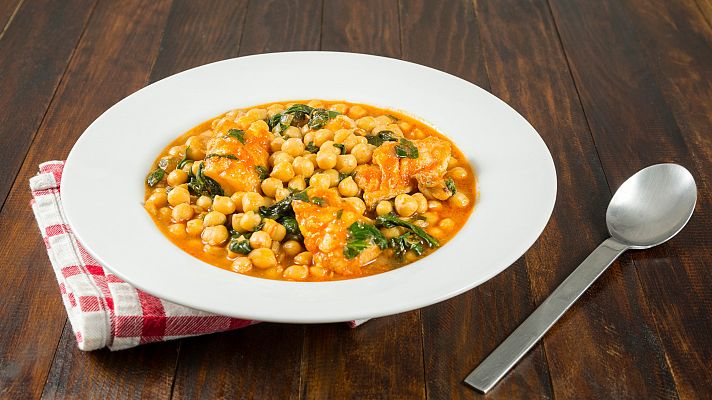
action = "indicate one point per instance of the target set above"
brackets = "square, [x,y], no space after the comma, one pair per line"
[240,246]
[185,159]
[406,149]
[362,236]
[283,208]
[230,156]
[341,147]
[155,177]
[343,175]
[291,225]
[339,214]
[273,121]
[320,117]
[202,185]
[380,137]
[333,114]
[450,185]
[166,162]
[237,134]
[311,147]
[262,172]
[407,241]
[298,108]
[390,220]
[319,201]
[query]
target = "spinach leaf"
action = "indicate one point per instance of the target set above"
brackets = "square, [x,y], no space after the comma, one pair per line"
[362,236]
[339,214]
[273,121]
[450,185]
[201,185]
[318,201]
[320,117]
[230,156]
[262,172]
[407,241]
[390,220]
[240,246]
[341,147]
[285,121]
[283,207]
[406,149]
[343,175]
[167,162]
[311,147]
[185,159]
[155,177]
[380,137]
[237,134]
[300,112]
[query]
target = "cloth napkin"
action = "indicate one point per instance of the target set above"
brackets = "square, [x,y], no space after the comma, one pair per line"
[105,311]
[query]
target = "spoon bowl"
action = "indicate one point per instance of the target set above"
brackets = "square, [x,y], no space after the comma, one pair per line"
[652,206]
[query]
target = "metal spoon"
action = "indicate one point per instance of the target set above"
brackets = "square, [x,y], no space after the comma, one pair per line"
[648,209]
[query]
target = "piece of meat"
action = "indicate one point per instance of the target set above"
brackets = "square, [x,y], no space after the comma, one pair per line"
[391,175]
[237,173]
[325,231]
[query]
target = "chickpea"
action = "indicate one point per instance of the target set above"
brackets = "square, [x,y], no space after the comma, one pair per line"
[357,204]
[452,162]
[302,166]
[341,135]
[308,138]
[322,181]
[177,177]
[333,175]
[366,123]
[214,218]
[297,183]
[421,223]
[459,200]
[158,199]
[455,173]
[292,132]
[311,157]
[316,104]
[383,120]
[435,205]
[363,153]
[177,230]
[406,205]
[281,193]
[204,202]
[292,248]
[252,201]
[303,258]
[329,146]
[164,214]
[196,151]
[283,171]
[356,112]
[339,108]
[321,136]
[194,227]
[296,272]
[214,235]
[224,205]
[431,217]
[437,233]
[260,239]
[348,187]
[249,221]
[280,157]
[422,203]
[384,207]
[326,159]
[274,109]
[405,126]
[242,265]
[217,251]
[447,224]
[391,232]
[318,272]
[182,212]
[194,167]
[346,163]
[352,141]
[293,146]
[270,186]
[263,258]
[178,195]
[276,144]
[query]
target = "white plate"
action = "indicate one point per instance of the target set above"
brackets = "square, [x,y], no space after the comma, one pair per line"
[103,184]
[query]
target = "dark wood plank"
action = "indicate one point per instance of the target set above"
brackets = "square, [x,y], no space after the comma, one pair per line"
[8,9]
[31,305]
[33,56]
[383,358]
[589,350]
[459,333]
[261,361]
[705,7]
[650,101]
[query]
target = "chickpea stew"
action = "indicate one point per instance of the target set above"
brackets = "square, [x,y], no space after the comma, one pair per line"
[310,190]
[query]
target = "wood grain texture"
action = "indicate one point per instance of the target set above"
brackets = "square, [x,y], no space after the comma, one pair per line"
[33,56]
[8,9]
[589,350]
[114,55]
[659,90]
[383,358]
[475,321]
[299,25]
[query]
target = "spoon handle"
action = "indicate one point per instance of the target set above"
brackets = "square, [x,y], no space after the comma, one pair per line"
[503,358]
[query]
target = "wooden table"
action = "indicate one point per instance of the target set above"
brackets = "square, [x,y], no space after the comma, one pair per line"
[611,85]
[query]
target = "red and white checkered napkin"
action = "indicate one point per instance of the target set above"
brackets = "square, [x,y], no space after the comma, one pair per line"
[104,310]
